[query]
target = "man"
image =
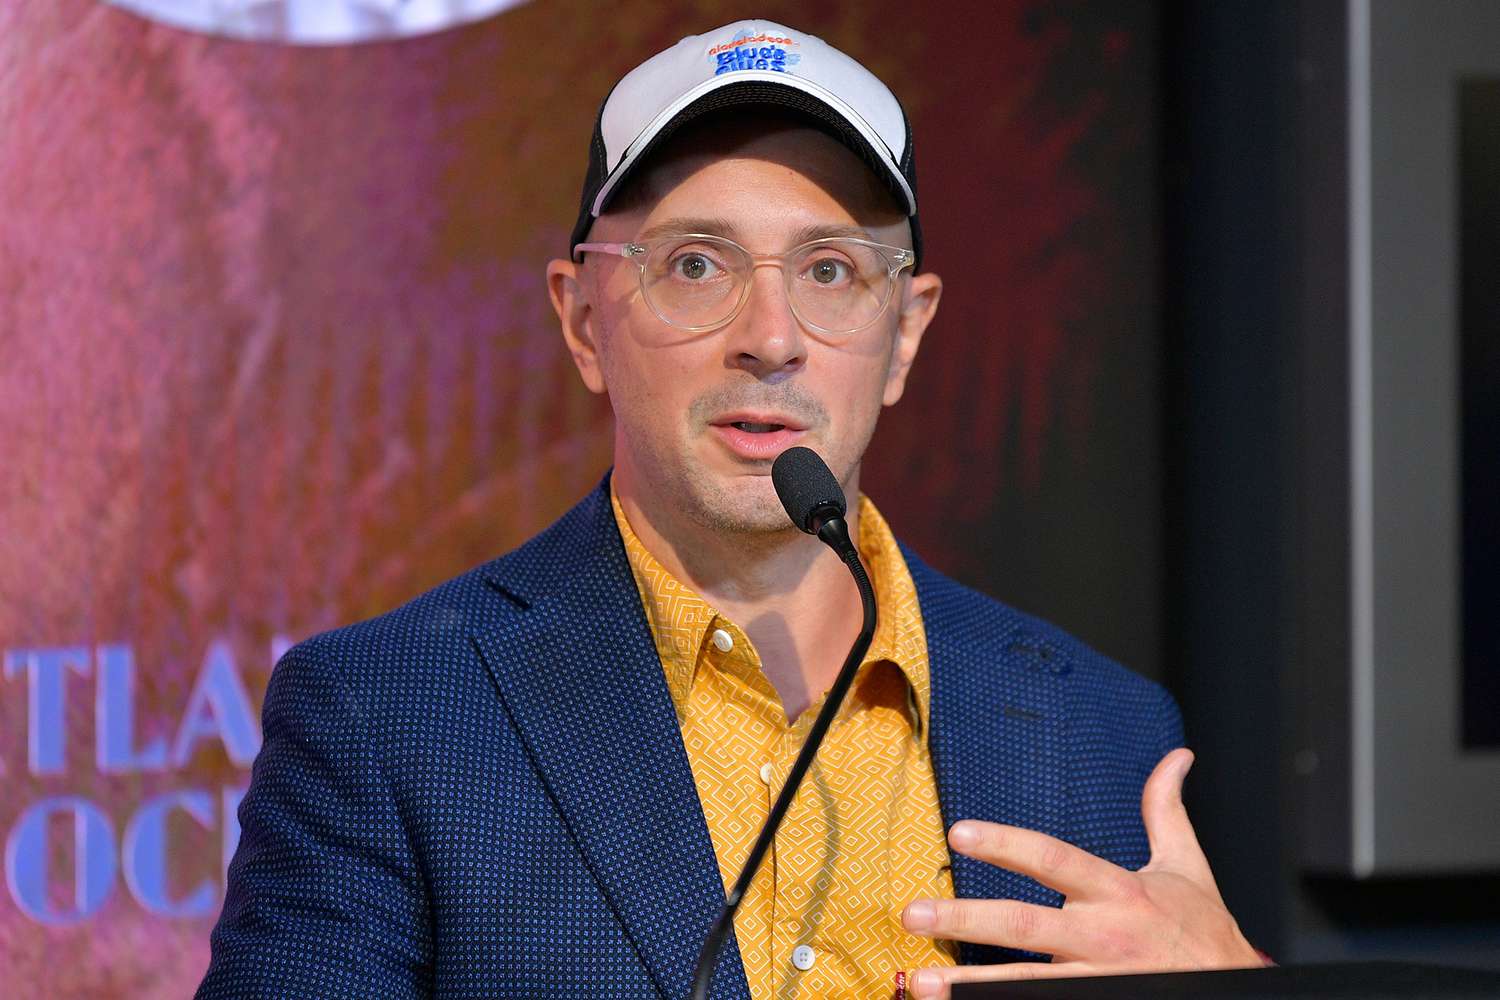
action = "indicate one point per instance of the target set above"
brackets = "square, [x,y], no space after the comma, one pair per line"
[539,778]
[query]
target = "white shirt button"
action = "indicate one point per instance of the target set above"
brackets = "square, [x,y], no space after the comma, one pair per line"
[803,957]
[765,772]
[723,641]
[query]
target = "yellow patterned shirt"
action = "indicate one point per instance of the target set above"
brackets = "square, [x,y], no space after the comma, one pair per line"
[864,835]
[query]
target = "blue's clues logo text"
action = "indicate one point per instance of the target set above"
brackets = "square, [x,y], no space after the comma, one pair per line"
[754,52]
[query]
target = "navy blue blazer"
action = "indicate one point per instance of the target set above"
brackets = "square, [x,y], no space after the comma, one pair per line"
[485,794]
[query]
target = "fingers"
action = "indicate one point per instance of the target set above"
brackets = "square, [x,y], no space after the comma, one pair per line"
[933,984]
[1174,845]
[1070,870]
[1003,922]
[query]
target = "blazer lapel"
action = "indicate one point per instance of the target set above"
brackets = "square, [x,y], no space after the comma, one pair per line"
[582,683]
[997,732]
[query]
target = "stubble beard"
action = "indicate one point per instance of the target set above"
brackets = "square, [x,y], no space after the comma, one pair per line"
[752,511]
[746,507]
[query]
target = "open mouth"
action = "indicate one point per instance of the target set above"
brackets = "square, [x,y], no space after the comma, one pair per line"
[757,437]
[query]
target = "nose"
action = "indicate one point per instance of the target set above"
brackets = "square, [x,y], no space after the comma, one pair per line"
[765,339]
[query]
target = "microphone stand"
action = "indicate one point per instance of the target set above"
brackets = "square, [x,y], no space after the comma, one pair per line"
[834,532]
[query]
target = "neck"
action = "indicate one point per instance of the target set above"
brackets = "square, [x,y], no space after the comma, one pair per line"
[786,590]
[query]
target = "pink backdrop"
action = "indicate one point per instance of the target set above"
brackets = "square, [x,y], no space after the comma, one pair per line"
[275,355]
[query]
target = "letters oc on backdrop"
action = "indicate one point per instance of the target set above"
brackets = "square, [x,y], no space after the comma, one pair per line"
[219,708]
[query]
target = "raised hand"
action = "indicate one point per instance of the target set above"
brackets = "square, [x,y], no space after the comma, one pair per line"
[1167,916]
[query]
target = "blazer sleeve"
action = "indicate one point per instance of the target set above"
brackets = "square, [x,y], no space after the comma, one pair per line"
[324,898]
[1169,735]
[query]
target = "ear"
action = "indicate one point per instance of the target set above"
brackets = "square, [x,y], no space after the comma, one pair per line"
[919,302]
[575,314]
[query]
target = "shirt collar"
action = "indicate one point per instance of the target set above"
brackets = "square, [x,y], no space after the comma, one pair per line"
[680,619]
[899,635]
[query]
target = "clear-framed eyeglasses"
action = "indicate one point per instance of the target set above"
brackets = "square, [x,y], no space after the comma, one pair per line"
[835,286]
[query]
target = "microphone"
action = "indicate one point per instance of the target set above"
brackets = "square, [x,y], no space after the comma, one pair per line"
[815,502]
[812,497]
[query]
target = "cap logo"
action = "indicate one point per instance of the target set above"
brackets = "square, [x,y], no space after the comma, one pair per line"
[747,51]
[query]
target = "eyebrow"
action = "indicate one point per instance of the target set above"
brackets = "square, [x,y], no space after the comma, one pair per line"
[723,227]
[819,231]
[681,226]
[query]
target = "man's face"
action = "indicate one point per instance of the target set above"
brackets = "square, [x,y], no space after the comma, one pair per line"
[699,417]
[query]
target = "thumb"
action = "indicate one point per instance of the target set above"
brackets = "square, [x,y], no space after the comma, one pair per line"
[1173,843]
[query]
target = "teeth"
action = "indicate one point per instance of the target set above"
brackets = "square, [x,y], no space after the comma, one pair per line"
[757,428]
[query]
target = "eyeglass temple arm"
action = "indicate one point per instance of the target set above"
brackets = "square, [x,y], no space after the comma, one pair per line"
[618,249]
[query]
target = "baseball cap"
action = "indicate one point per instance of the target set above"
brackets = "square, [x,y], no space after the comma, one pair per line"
[750,64]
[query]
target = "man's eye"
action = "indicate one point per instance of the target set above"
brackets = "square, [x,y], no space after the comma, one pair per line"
[829,271]
[694,267]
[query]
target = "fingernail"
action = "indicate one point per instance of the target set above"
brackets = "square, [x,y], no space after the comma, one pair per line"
[963,835]
[920,916]
[926,983]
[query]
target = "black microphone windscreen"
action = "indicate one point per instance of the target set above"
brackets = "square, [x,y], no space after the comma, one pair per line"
[806,488]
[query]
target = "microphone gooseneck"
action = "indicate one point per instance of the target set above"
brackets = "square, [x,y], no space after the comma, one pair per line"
[815,502]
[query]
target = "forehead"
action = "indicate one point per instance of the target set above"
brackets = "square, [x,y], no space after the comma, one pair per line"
[749,169]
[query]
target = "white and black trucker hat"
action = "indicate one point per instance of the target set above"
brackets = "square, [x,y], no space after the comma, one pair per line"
[748,64]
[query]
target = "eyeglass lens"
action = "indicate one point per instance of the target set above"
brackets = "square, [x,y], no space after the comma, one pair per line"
[836,285]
